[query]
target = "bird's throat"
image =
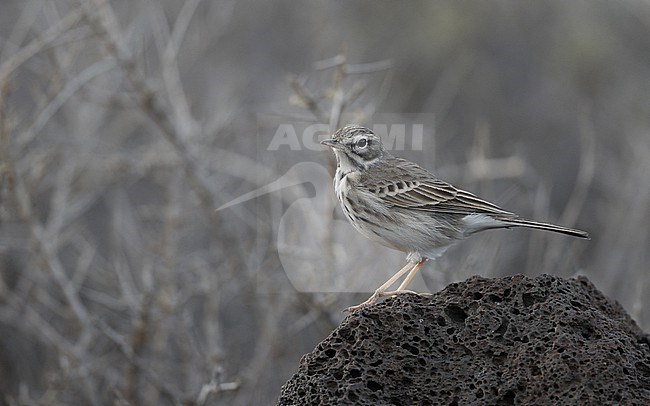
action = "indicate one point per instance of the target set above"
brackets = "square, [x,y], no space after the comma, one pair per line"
[349,162]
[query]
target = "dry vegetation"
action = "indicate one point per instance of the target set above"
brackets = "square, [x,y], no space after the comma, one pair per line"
[124,126]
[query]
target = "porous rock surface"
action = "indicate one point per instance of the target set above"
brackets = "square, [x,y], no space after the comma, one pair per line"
[513,340]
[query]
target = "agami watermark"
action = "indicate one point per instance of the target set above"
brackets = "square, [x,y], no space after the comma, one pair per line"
[395,137]
[318,249]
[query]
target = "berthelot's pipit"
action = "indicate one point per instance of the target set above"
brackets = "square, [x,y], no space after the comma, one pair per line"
[401,205]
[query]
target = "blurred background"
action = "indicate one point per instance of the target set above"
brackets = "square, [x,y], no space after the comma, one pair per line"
[126,126]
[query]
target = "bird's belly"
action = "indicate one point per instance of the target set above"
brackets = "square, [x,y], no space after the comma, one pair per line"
[421,237]
[409,231]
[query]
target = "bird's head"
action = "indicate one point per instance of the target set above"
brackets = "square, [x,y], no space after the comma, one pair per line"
[356,146]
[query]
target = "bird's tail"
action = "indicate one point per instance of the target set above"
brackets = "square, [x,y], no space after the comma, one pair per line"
[518,222]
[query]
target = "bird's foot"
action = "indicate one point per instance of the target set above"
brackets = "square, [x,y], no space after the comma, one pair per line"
[379,294]
[372,299]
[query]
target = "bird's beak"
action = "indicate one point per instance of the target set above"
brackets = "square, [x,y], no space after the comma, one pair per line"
[332,143]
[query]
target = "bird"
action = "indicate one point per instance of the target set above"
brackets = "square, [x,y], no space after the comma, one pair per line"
[403,206]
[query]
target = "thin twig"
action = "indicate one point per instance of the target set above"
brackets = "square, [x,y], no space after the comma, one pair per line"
[126,349]
[38,44]
[150,103]
[70,88]
[305,97]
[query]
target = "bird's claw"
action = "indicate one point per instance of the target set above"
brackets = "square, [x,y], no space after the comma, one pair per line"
[379,294]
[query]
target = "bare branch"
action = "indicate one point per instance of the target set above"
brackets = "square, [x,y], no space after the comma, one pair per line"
[38,44]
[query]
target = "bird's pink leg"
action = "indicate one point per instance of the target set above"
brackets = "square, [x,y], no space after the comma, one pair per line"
[410,276]
[381,291]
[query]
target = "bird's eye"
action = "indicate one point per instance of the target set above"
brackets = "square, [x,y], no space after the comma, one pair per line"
[362,143]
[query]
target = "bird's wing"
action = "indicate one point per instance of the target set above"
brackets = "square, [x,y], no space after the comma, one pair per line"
[405,184]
